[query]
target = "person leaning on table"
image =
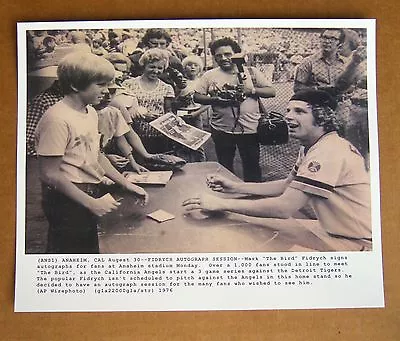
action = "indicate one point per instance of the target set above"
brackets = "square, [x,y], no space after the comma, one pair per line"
[329,174]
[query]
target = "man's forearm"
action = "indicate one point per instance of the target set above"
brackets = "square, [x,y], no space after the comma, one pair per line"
[283,206]
[347,78]
[268,189]
[264,92]
[263,208]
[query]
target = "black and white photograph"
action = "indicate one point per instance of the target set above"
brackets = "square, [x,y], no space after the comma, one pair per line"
[268,129]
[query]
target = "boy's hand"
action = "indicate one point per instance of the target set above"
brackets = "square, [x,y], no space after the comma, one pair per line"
[138,168]
[103,205]
[117,161]
[139,191]
[220,184]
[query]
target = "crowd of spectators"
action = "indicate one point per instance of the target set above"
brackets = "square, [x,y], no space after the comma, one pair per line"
[277,52]
[281,47]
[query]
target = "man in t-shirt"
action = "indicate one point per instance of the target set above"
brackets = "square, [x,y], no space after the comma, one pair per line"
[329,174]
[234,122]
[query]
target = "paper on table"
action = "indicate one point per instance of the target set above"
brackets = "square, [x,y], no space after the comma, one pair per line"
[161,216]
[152,178]
[108,196]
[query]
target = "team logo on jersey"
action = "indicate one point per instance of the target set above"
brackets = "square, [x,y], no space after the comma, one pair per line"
[314,166]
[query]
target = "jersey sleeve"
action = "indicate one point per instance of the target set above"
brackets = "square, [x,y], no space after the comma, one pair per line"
[52,137]
[317,173]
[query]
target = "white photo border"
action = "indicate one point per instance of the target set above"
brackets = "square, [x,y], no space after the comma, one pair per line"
[366,291]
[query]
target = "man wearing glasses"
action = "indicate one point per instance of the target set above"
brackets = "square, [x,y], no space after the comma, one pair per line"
[325,70]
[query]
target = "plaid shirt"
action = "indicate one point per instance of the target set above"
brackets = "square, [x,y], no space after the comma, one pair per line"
[36,108]
[315,71]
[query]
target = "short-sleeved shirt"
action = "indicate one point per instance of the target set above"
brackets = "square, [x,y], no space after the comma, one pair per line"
[36,108]
[63,131]
[111,124]
[315,71]
[332,171]
[152,100]
[222,118]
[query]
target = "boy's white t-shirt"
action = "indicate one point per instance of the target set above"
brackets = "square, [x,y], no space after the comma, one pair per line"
[63,131]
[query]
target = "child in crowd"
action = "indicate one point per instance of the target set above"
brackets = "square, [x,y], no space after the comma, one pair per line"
[71,166]
[117,137]
[192,69]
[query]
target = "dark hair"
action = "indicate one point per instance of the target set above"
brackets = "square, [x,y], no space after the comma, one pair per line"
[323,107]
[326,117]
[226,41]
[342,34]
[48,39]
[156,33]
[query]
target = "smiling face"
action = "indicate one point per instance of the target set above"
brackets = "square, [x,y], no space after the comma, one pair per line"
[223,57]
[154,69]
[301,122]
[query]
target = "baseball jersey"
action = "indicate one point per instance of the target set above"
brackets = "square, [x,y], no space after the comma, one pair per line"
[333,172]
